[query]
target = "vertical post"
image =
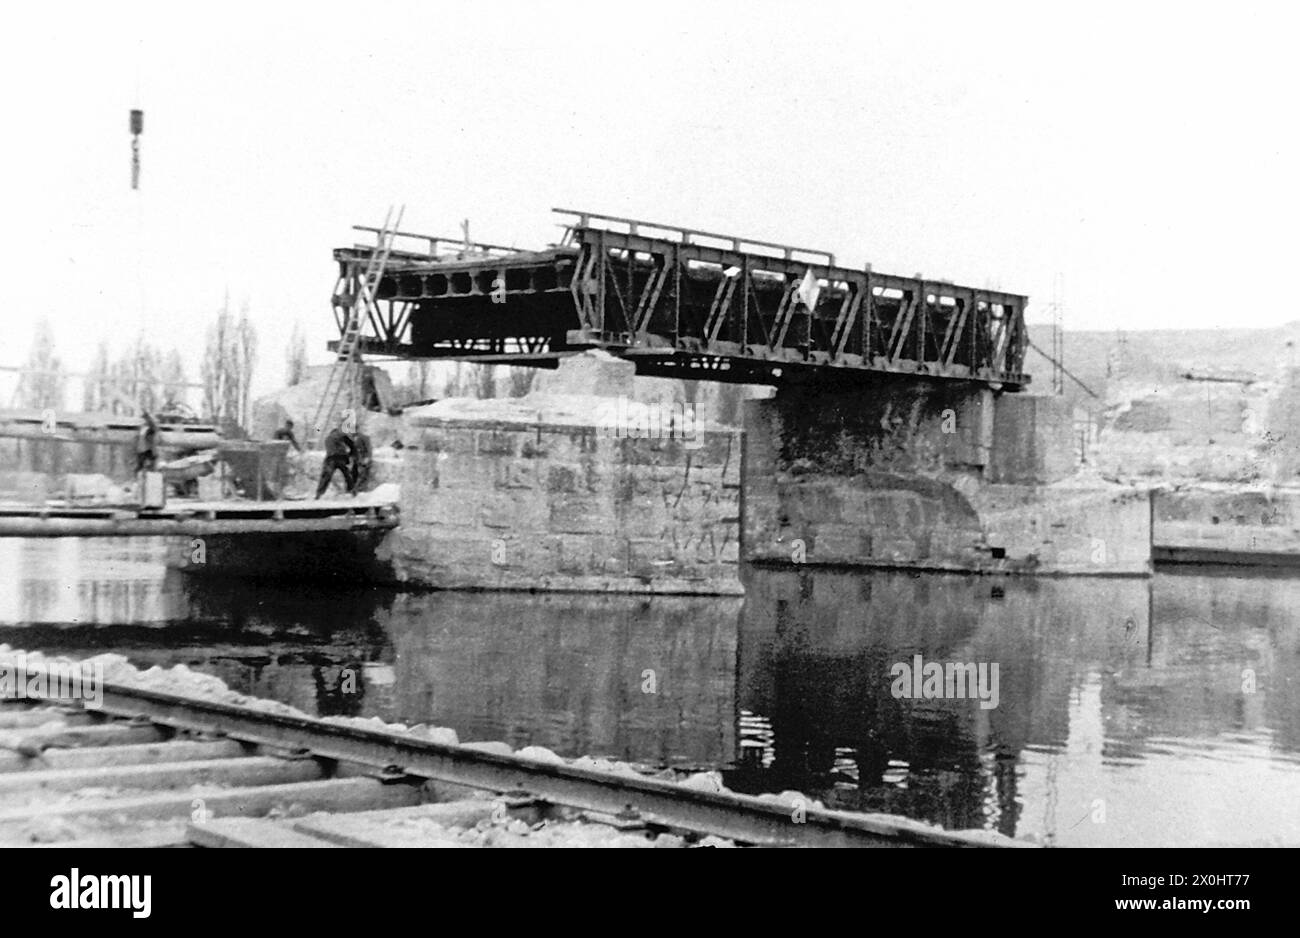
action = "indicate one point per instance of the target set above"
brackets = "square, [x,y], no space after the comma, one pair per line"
[675,258]
[599,272]
[137,128]
[868,314]
[924,319]
[744,303]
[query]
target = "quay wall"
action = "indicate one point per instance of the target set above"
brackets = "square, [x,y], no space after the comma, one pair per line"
[1234,522]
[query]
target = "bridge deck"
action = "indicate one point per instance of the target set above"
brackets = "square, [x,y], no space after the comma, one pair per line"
[689,304]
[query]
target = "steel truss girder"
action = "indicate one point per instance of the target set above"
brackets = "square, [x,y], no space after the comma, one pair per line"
[629,292]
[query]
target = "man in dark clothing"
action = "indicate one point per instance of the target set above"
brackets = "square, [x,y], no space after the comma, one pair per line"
[361,467]
[286,433]
[339,454]
[146,445]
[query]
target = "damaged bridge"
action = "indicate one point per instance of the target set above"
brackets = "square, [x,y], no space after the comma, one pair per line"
[897,436]
[678,303]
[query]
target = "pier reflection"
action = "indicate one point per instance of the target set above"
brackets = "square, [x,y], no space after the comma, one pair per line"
[1162,711]
[1129,711]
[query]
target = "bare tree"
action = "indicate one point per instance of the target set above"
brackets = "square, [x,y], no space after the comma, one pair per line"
[139,375]
[521,380]
[116,388]
[245,356]
[295,356]
[173,378]
[483,380]
[455,380]
[214,372]
[227,369]
[96,389]
[42,386]
[417,380]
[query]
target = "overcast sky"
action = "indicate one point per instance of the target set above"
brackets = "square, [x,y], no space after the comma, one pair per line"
[1145,152]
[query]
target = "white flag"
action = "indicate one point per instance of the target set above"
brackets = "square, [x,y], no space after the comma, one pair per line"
[808,290]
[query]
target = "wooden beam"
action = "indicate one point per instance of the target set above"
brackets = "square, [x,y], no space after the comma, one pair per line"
[177,750]
[351,794]
[151,838]
[40,716]
[114,734]
[426,825]
[247,772]
[250,832]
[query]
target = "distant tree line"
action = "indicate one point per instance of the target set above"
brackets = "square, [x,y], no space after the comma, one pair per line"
[145,376]
[468,379]
[427,380]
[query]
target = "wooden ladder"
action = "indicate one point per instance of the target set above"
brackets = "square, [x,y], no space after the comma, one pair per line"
[345,375]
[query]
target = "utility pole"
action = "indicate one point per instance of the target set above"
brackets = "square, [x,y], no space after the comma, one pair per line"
[137,128]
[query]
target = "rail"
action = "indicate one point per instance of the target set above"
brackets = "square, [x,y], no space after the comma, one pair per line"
[435,240]
[737,243]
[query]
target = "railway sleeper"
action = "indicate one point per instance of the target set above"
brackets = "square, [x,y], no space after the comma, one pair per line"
[294,798]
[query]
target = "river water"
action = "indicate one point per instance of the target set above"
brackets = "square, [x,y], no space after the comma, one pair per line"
[1128,712]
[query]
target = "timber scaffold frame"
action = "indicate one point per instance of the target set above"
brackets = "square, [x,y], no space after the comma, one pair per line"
[682,303]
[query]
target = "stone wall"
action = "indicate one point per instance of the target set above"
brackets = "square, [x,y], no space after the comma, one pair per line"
[1227,521]
[1067,529]
[901,427]
[510,503]
[1188,430]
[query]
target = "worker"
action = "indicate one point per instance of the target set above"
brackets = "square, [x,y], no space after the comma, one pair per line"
[146,445]
[339,455]
[286,433]
[362,463]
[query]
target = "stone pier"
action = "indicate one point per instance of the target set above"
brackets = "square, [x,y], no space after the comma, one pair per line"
[931,476]
[562,491]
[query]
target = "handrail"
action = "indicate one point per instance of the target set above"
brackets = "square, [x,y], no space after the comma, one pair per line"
[737,243]
[435,240]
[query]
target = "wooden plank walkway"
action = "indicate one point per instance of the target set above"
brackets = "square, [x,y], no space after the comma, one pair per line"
[186,518]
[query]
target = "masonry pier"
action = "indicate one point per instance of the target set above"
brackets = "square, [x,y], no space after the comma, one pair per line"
[932,477]
[552,493]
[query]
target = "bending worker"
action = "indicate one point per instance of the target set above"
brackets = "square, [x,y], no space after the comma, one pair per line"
[339,453]
[361,468]
[146,445]
[286,433]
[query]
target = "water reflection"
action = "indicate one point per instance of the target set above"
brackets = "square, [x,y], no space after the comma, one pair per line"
[1110,730]
[1130,712]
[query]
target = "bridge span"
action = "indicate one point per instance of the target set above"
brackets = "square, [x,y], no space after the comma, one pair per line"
[679,303]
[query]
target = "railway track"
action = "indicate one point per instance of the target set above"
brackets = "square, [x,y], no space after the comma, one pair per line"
[149,768]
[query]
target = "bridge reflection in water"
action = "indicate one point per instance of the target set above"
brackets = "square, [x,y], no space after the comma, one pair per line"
[1121,715]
